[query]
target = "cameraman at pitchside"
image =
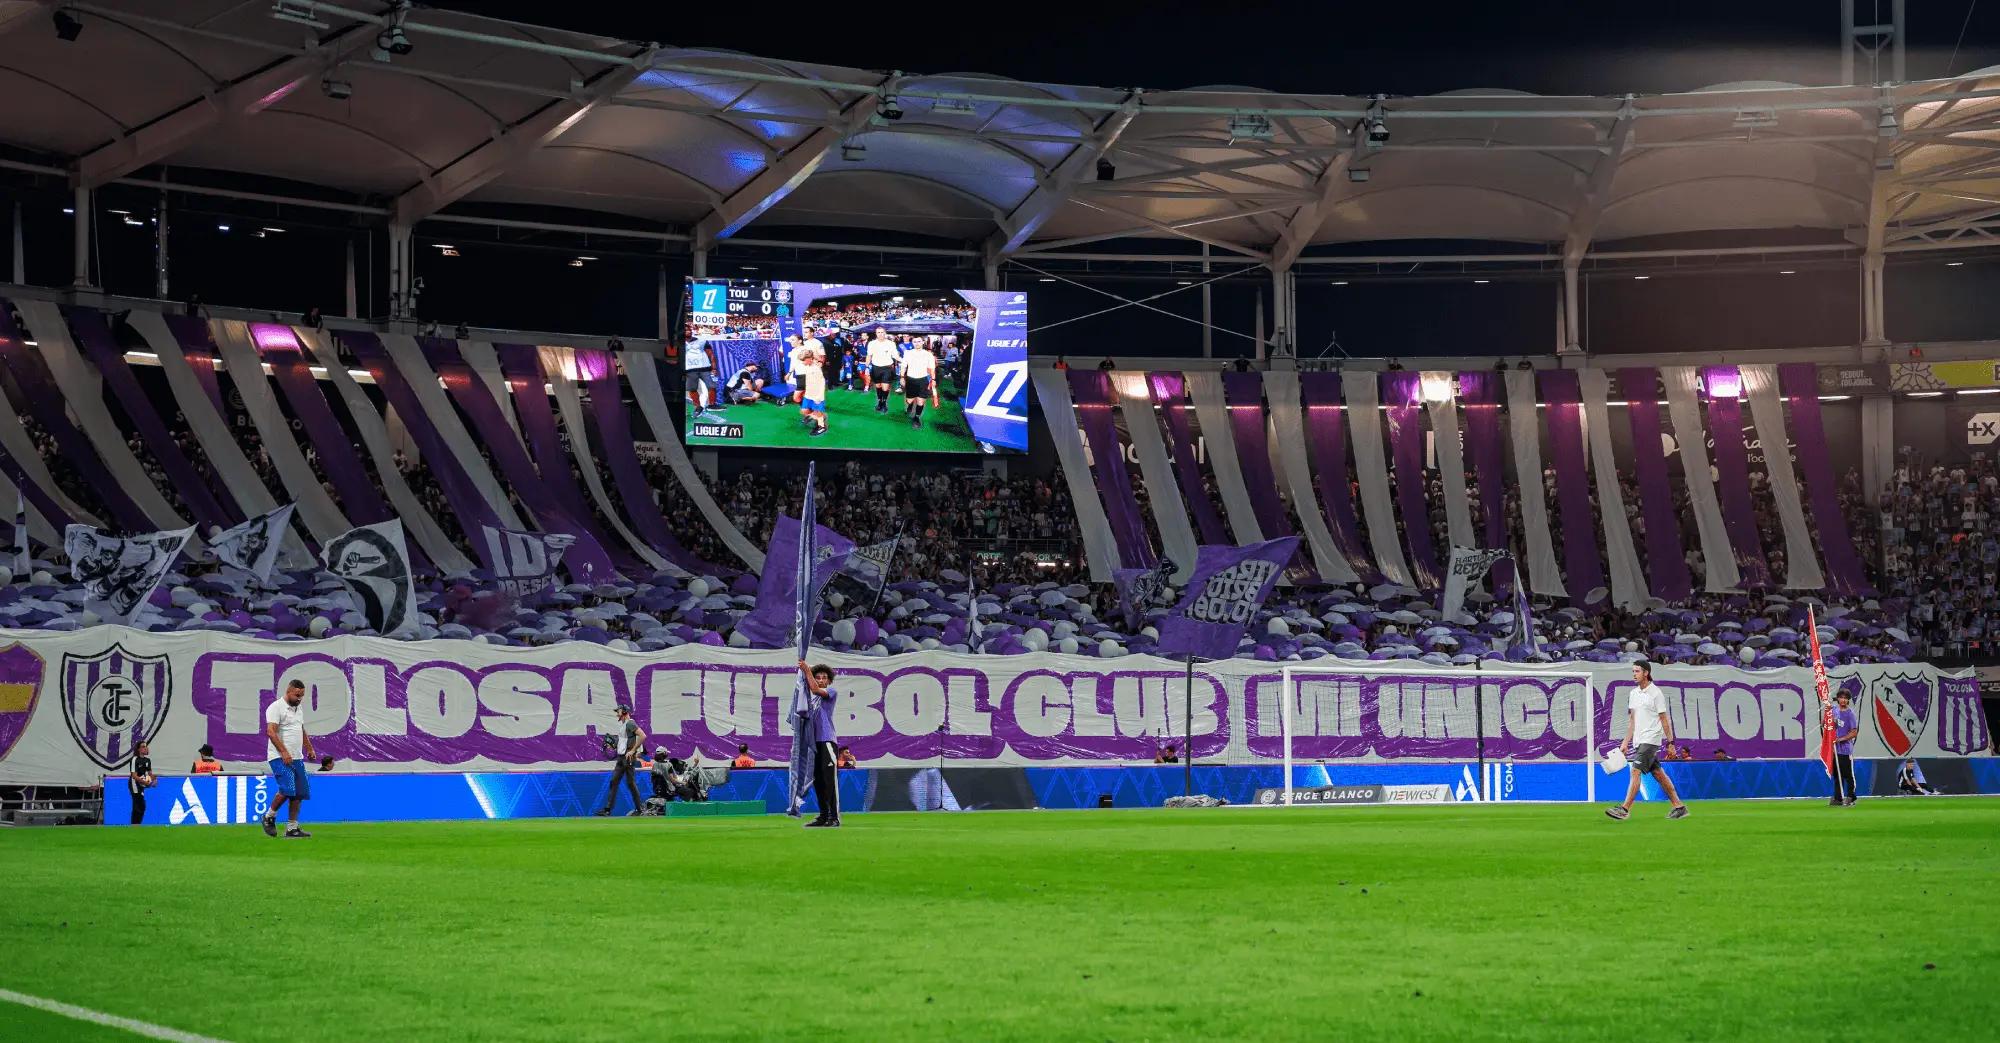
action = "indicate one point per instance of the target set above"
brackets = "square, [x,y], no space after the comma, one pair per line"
[1650,731]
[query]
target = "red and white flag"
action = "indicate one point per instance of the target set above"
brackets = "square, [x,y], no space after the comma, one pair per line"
[1825,696]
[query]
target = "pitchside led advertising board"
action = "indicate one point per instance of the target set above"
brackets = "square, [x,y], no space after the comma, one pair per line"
[804,365]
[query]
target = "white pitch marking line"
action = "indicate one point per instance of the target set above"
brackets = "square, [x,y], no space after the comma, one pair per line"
[137,1028]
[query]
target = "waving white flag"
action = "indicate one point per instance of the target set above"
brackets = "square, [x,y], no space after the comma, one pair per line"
[253,546]
[375,564]
[119,573]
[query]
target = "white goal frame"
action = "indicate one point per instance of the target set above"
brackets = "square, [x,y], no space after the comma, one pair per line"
[1290,673]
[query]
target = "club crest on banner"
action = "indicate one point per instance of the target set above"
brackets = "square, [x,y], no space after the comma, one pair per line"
[115,700]
[1901,706]
[21,672]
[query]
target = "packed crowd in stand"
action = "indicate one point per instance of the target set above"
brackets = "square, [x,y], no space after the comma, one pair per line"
[1015,540]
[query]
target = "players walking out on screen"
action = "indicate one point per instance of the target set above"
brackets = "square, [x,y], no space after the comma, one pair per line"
[826,789]
[700,377]
[815,385]
[1845,725]
[141,780]
[1650,730]
[882,360]
[919,382]
[627,742]
[795,368]
[287,747]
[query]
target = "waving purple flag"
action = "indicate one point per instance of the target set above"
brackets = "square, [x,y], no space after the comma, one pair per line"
[1223,595]
[770,624]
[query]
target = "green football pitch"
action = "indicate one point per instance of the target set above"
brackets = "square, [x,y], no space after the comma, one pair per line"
[1771,920]
[851,423]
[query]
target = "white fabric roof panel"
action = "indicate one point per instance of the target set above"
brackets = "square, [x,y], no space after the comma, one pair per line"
[675,135]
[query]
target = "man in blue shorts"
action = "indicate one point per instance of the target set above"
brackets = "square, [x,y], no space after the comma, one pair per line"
[288,748]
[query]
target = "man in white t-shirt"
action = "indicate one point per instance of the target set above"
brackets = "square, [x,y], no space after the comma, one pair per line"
[919,382]
[882,361]
[1650,731]
[288,748]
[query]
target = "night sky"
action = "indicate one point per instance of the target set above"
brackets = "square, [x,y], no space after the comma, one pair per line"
[1392,48]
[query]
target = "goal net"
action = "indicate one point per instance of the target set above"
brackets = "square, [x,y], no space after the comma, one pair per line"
[1344,728]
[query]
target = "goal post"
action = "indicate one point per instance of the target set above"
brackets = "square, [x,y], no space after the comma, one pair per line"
[1461,706]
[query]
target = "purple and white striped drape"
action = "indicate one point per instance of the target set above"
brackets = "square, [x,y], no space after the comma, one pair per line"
[522,365]
[42,500]
[1732,473]
[1244,393]
[1402,393]
[466,502]
[1479,396]
[614,433]
[586,560]
[1090,390]
[1666,564]
[1799,382]
[1583,570]
[198,348]
[94,336]
[1326,436]
[1170,393]
[359,498]
[44,402]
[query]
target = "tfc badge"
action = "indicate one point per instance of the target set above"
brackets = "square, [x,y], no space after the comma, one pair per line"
[115,700]
[20,685]
[1902,706]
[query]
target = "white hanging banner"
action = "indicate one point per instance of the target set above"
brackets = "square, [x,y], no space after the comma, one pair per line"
[1441,402]
[417,520]
[1760,386]
[557,364]
[1288,444]
[1059,413]
[1156,469]
[1371,470]
[322,517]
[406,356]
[1211,411]
[84,391]
[1718,557]
[643,374]
[1524,423]
[1628,580]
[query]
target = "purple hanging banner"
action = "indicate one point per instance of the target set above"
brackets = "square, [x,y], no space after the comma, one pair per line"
[1724,386]
[198,347]
[1479,395]
[1326,442]
[467,504]
[1244,394]
[94,335]
[280,349]
[585,560]
[1666,564]
[1170,394]
[1583,570]
[1402,392]
[1799,383]
[614,437]
[1091,391]
[521,364]
[44,402]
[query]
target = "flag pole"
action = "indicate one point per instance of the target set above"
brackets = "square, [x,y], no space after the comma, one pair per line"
[1187,731]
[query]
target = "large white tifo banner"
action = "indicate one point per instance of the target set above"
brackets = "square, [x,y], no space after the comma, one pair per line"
[73,705]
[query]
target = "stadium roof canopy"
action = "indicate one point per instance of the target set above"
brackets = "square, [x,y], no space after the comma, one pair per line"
[490,119]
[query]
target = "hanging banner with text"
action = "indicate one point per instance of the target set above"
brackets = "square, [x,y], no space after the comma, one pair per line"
[73,704]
